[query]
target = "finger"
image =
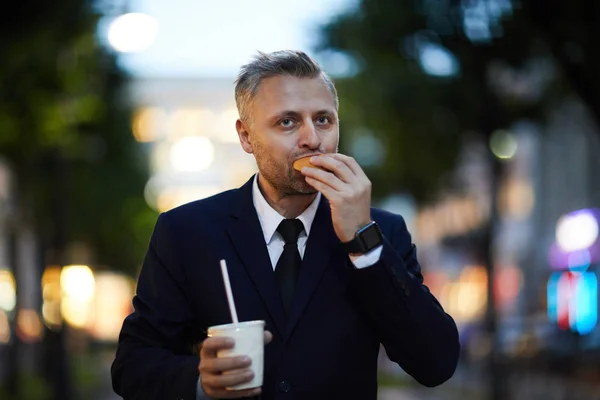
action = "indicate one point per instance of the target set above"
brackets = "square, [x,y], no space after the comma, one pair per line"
[268,337]
[330,193]
[223,364]
[326,177]
[212,345]
[231,378]
[338,167]
[350,162]
[231,394]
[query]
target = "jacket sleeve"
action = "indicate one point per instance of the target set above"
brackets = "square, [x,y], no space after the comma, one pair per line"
[154,358]
[412,326]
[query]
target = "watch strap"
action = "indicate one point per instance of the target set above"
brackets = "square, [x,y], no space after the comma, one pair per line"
[359,245]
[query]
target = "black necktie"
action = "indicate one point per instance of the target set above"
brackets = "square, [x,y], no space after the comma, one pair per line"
[288,265]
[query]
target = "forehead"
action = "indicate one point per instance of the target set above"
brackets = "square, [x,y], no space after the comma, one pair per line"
[283,93]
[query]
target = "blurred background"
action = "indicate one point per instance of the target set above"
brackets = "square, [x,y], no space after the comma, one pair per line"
[477,120]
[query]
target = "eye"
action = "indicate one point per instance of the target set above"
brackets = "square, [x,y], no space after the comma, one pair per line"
[286,123]
[323,120]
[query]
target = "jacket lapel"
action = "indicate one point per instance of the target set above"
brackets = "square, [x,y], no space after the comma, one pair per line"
[247,238]
[321,244]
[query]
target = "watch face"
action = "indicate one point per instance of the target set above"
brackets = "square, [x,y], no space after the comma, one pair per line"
[371,236]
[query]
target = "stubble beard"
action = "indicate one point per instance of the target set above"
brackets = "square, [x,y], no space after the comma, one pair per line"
[298,185]
[288,184]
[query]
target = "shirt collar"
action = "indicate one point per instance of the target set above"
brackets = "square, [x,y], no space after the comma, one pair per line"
[270,219]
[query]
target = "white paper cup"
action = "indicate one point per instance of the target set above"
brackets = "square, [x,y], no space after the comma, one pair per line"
[249,341]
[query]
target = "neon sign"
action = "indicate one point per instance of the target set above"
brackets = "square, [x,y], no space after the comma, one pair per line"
[573,301]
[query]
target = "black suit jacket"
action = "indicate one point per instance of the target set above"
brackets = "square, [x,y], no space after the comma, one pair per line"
[329,346]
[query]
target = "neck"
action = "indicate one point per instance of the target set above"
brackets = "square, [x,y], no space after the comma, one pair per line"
[287,205]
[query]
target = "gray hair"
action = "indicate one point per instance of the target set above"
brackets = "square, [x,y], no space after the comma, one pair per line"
[284,62]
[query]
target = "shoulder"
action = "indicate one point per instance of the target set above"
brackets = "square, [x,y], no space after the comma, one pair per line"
[384,217]
[389,222]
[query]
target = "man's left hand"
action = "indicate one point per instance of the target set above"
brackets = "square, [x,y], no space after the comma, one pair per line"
[347,188]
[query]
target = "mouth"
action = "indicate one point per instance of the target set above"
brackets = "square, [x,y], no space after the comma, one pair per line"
[308,156]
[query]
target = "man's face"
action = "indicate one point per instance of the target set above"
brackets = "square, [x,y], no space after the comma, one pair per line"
[290,118]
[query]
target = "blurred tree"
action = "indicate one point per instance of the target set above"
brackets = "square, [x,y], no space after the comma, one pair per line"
[65,132]
[571,30]
[426,73]
[62,96]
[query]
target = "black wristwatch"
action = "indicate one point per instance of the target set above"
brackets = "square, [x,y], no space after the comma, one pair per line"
[366,239]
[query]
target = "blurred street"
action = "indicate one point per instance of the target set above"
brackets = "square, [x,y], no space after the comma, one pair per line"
[476,121]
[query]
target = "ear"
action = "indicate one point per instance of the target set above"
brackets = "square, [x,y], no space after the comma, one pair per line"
[244,136]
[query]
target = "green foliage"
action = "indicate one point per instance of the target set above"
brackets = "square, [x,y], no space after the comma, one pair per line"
[31,387]
[420,117]
[48,77]
[65,130]
[108,187]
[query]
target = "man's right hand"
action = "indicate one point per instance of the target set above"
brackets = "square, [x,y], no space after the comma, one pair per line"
[214,381]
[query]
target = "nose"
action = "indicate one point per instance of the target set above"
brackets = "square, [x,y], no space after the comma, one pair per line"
[309,136]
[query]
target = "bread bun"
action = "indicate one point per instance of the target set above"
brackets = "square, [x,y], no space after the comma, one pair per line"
[304,162]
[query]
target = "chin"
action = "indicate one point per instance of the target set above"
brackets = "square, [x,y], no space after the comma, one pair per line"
[305,188]
[297,185]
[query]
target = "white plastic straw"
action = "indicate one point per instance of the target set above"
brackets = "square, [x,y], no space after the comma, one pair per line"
[232,309]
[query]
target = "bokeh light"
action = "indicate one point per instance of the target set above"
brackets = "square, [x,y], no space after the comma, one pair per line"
[147,123]
[29,326]
[503,144]
[111,306]
[573,301]
[186,122]
[516,199]
[466,298]
[78,289]
[192,154]
[437,61]
[579,261]
[4,328]
[51,295]
[77,282]
[576,231]
[8,295]
[132,33]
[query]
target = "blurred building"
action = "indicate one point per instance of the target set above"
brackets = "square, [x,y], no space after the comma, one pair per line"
[549,172]
[568,222]
[189,126]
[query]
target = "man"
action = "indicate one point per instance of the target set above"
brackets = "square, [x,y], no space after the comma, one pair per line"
[332,277]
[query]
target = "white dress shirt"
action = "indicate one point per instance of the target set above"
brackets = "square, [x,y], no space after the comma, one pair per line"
[270,220]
